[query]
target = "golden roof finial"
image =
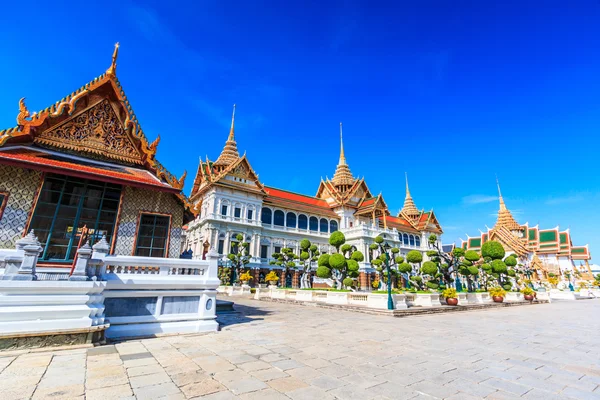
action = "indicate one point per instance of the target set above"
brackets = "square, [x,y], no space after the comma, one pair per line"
[342,155]
[409,208]
[502,205]
[23,112]
[231,131]
[230,152]
[342,175]
[112,70]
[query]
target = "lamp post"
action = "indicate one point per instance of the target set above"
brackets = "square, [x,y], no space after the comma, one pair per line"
[385,249]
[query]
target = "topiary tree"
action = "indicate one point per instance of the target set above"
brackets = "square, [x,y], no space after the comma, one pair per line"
[448,263]
[430,271]
[286,259]
[239,258]
[493,250]
[309,253]
[340,265]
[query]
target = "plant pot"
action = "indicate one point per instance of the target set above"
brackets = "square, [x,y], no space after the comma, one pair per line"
[498,299]
[528,297]
[245,282]
[452,301]
[273,283]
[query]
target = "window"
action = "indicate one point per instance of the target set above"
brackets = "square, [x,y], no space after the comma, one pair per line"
[237,212]
[278,218]
[249,215]
[412,240]
[264,249]
[351,224]
[405,239]
[302,222]
[314,224]
[323,225]
[418,241]
[266,216]
[224,209]
[333,226]
[65,206]
[153,235]
[290,220]
[3,201]
[277,249]
[221,246]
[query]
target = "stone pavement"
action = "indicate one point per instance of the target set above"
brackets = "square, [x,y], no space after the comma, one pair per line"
[281,351]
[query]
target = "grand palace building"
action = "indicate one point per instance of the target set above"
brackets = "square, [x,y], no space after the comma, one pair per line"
[231,200]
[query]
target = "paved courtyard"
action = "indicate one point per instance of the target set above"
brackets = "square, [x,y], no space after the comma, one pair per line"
[281,351]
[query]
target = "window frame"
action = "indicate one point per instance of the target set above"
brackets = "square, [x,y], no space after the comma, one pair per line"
[137,229]
[4,202]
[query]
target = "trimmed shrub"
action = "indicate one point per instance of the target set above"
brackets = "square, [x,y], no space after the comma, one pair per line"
[429,268]
[395,250]
[511,272]
[305,244]
[348,282]
[432,285]
[377,262]
[405,267]
[313,248]
[337,239]
[507,287]
[379,240]
[345,248]
[472,256]
[373,246]
[352,265]
[473,270]
[499,267]
[323,272]
[486,267]
[323,260]
[414,257]
[510,261]
[337,261]
[357,256]
[304,255]
[458,252]
[493,249]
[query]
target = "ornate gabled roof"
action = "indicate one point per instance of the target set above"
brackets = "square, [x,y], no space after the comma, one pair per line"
[95,121]
[369,205]
[240,173]
[505,217]
[409,209]
[230,152]
[342,176]
[426,221]
[400,223]
[504,235]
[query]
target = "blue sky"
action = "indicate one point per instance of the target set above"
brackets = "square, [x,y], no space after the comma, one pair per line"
[452,92]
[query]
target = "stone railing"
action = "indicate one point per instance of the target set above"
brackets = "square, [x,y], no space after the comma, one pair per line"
[379,300]
[124,295]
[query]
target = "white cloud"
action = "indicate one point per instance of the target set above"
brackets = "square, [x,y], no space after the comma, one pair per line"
[478,199]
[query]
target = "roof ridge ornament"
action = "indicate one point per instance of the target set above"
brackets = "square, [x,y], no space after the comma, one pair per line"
[112,70]
[409,208]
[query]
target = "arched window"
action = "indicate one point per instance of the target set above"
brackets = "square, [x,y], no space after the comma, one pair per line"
[302,221]
[418,241]
[278,218]
[266,216]
[405,239]
[412,240]
[314,224]
[290,220]
[323,225]
[333,226]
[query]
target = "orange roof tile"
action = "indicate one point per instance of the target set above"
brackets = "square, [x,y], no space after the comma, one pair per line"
[400,224]
[296,201]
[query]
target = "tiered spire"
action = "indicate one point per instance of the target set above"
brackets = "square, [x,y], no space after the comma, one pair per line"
[505,217]
[342,175]
[409,207]
[230,152]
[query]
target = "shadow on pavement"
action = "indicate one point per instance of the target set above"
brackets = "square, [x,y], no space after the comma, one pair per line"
[241,314]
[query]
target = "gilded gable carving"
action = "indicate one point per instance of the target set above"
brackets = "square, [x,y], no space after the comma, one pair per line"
[97,130]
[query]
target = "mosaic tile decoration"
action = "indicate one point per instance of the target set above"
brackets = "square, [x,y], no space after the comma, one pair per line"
[21,185]
[136,200]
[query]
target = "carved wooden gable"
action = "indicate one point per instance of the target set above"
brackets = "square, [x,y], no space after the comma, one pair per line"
[96,130]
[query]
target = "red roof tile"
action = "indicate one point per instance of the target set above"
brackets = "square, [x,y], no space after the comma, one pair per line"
[399,223]
[296,201]
[52,162]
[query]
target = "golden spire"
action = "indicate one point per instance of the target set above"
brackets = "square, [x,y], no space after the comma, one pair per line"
[230,152]
[505,217]
[342,175]
[112,70]
[231,131]
[409,208]
[342,155]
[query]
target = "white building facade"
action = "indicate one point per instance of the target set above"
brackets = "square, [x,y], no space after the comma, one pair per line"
[230,200]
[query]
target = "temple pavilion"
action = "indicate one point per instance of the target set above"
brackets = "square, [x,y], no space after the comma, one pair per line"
[83,168]
[232,200]
[546,251]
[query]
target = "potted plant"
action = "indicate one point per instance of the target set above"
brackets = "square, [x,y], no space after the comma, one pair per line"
[497,294]
[450,296]
[272,278]
[528,293]
[245,278]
